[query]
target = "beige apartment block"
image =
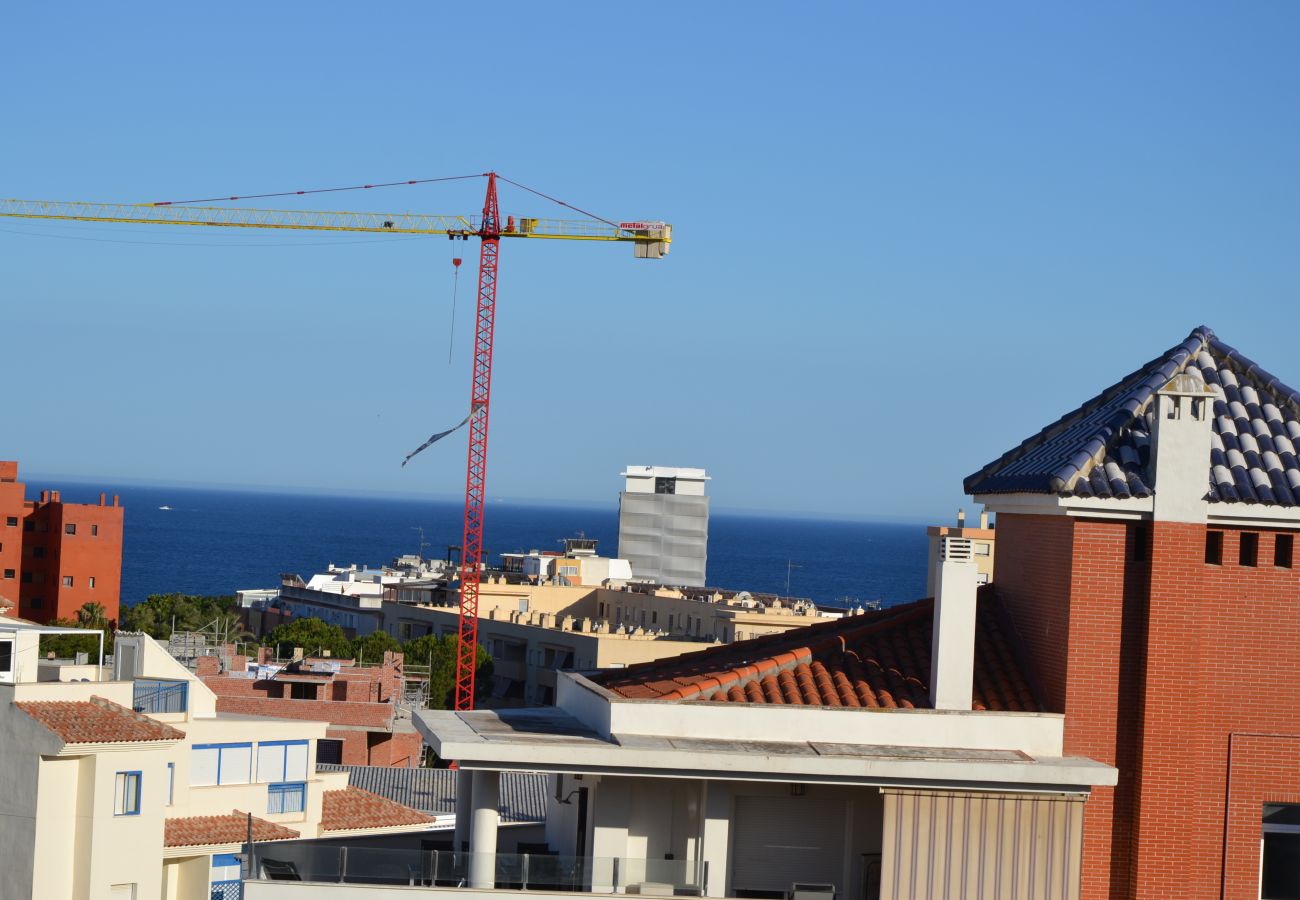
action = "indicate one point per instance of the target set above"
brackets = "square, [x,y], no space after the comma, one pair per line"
[534,630]
[126,782]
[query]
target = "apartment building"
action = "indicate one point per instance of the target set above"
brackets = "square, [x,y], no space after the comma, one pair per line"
[127,782]
[532,630]
[1146,553]
[57,556]
[663,524]
[369,725]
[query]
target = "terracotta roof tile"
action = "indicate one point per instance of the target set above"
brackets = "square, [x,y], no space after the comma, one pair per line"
[201,831]
[96,721]
[353,808]
[878,660]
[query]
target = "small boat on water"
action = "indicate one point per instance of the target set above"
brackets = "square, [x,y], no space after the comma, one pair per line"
[165,507]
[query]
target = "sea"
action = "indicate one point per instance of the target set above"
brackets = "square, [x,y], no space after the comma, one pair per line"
[203,541]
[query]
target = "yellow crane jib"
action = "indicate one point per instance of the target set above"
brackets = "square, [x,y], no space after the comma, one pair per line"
[650,239]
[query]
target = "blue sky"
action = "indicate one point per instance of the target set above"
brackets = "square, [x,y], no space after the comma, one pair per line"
[906,236]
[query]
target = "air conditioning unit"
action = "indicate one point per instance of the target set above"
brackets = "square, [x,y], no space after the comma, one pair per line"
[810,891]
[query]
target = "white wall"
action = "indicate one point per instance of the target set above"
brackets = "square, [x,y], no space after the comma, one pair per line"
[1038,734]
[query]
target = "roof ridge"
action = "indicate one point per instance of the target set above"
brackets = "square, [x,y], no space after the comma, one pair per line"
[1261,378]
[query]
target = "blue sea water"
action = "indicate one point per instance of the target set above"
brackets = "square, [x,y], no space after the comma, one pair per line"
[220,541]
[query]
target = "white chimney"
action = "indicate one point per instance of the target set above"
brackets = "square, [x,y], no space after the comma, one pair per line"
[952,651]
[1180,438]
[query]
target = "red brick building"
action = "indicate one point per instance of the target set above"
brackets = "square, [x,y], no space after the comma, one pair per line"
[361,703]
[56,556]
[1146,555]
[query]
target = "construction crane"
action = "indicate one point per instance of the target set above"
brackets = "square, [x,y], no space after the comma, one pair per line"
[650,240]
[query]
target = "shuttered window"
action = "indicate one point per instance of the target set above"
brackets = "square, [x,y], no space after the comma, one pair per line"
[281,761]
[221,764]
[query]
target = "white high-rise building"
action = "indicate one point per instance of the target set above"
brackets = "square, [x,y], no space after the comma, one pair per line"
[663,524]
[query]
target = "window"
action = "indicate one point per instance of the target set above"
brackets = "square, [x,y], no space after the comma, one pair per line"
[94,531]
[329,752]
[665,485]
[126,794]
[1214,548]
[70,528]
[221,764]
[286,798]
[982,549]
[299,691]
[1282,551]
[1280,867]
[6,658]
[281,761]
[38,552]
[12,521]
[67,581]
[92,582]
[10,573]
[1248,551]
[171,783]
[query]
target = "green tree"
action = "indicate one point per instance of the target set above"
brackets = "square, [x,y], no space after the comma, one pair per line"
[157,614]
[67,646]
[370,649]
[439,654]
[312,635]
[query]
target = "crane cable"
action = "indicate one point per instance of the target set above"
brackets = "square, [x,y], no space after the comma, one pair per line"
[366,187]
[355,187]
[455,286]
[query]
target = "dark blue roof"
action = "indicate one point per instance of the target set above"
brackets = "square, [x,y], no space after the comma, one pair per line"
[1103,448]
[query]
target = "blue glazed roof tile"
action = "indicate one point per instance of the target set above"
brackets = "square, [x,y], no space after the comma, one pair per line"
[1103,448]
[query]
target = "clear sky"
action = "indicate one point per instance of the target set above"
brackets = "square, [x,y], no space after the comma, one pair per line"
[907,236]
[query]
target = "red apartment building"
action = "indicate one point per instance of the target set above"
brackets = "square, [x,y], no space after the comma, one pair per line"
[367,728]
[56,556]
[1146,555]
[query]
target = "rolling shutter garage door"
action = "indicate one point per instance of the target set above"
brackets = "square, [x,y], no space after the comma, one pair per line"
[781,840]
[968,846]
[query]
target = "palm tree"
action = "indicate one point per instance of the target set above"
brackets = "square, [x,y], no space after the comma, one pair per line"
[91,615]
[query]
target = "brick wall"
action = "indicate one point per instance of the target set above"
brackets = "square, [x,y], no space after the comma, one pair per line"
[1161,668]
[336,712]
[1077,596]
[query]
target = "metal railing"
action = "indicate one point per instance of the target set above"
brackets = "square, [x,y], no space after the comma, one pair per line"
[510,871]
[160,697]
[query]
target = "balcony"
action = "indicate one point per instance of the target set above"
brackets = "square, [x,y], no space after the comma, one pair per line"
[538,872]
[152,697]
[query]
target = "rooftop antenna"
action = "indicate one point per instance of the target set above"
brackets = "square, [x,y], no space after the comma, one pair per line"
[789,565]
[423,543]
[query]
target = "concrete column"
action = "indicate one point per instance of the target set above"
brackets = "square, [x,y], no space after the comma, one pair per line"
[952,649]
[464,801]
[483,830]
[715,835]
